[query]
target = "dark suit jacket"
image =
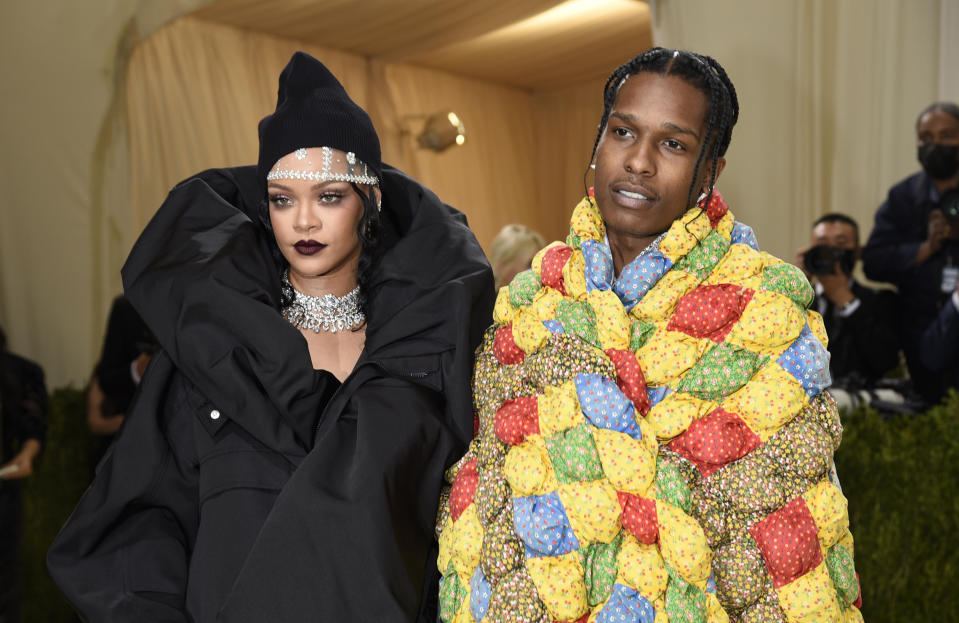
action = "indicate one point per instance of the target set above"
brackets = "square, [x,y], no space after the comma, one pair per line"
[864,345]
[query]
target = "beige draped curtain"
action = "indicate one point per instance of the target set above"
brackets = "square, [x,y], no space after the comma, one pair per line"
[196,91]
[829,92]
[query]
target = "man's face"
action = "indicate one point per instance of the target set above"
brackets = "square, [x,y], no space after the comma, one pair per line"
[937,126]
[647,155]
[835,234]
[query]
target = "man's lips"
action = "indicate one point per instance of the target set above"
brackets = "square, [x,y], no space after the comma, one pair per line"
[308,247]
[633,194]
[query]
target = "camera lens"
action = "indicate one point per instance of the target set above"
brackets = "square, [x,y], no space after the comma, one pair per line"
[820,259]
[949,204]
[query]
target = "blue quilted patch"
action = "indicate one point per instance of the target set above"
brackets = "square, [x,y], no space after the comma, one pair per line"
[626,604]
[541,523]
[605,406]
[807,360]
[480,591]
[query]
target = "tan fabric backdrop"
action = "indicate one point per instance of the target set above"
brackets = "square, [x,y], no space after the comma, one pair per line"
[829,92]
[197,89]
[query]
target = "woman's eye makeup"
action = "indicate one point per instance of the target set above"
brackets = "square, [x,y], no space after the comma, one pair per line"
[331,196]
[280,201]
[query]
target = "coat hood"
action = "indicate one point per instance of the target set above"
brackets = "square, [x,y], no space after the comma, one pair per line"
[202,278]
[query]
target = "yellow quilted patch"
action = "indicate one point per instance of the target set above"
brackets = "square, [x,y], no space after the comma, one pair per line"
[612,323]
[725,225]
[559,408]
[811,598]
[593,510]
[660,301]
[674,413]
[829,510]
[630,465]
[528,469]
[769,324]
[684,234]
[642,567]
[503,311]
[714,610]
[667,355]
[544,303]
[445,545]
[574,276]
[739,264]
[467,543]
[586,221]
[816,326]
[559,582]
[769,400]
[852,615]
[528,331]
[683,544]
[463,615]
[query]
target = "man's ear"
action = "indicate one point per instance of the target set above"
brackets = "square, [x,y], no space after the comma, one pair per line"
[720,165]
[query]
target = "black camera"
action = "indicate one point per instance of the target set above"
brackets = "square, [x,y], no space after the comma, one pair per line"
[821,259]
[949,204]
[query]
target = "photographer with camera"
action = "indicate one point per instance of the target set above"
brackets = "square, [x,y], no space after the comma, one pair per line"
[860,321]
[915,243]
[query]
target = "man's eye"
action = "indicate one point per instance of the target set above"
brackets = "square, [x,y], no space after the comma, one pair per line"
[623,132]
[672,144]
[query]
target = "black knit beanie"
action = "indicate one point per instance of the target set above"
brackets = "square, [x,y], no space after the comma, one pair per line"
[314,110]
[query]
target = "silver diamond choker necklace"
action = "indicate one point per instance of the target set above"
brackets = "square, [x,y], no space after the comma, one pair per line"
[323,313]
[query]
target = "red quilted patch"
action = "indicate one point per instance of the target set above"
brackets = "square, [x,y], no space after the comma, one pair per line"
[858,602]
[551,271]
[715,440]
[630,378]
[788,543]
[463,489]
[505,348]
[639,517]
[716,209]
[517,419]
[710,311]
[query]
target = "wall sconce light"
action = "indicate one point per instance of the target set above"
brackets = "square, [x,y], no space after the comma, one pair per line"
[441,131]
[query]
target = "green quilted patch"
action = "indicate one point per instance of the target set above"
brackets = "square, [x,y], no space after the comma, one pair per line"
[579,319]
[574,456]
[523,287]
[600,565]
[672,487]
[842,571]
[573,241]
[684,602]
[452,594]
[789,281]
[701,260]
[640,333]
[721,371]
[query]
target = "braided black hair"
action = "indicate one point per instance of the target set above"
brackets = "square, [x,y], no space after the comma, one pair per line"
[702,72]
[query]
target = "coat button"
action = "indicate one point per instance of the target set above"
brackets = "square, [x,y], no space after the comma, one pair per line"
[214,415]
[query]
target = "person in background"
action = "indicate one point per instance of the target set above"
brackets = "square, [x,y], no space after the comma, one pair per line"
[127,348]
[512,252]
[23,411]
[939,347]
[860,321]
[914,243]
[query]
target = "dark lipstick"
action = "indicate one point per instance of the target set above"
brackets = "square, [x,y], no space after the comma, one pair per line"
[308,247]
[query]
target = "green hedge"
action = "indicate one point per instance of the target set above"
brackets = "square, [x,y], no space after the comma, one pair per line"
[901,476]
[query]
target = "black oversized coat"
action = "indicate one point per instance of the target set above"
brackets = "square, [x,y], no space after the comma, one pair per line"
[244,486]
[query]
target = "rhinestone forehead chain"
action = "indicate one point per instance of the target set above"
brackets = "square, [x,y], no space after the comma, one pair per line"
[357,171]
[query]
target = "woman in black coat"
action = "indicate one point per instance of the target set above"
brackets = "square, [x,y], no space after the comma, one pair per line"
[284,457]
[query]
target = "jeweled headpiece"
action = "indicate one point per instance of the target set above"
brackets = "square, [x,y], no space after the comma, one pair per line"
[335,166]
